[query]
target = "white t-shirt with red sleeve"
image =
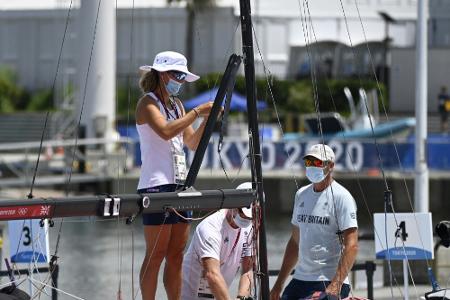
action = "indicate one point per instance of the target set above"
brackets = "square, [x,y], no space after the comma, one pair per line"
[214,237]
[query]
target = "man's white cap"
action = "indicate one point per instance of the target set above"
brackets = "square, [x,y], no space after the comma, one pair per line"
[321,151]
[171,61]
[246,210]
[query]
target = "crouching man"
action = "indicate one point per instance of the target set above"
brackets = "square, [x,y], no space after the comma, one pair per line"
[220,247]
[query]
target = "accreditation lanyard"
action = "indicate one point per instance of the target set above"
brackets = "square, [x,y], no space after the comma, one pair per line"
[233,248]
[178,156]
[174,106]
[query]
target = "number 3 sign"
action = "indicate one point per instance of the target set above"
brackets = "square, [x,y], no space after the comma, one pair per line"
[28,241]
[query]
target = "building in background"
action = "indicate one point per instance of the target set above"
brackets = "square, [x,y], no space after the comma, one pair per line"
[31,34]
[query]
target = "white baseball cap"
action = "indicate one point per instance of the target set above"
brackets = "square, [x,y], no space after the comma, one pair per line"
[171,61]
[247,211]
[321,151]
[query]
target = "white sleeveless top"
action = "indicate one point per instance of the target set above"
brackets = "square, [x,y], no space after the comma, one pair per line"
[156,153]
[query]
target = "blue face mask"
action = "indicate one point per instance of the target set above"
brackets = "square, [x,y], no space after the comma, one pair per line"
[315,174]
[241,222]
[173,87]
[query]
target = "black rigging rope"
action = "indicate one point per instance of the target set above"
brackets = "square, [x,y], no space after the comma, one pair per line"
[58,239]
[393,142]
[130,66]
[366,106]
[268,77]
[306,8]
[44,129]
[313,80]
[308,38]
[30,195]
[387,204]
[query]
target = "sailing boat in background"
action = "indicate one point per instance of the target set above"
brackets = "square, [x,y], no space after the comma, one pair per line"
[120,206]
[363,122]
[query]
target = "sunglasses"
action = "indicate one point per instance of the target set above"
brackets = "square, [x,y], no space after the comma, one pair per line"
[178,75]
[313,162]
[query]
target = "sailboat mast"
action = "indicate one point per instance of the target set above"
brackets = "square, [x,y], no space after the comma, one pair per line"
[253,130]
[421,201]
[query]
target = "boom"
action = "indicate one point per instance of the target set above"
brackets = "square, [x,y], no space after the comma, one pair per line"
[124,205]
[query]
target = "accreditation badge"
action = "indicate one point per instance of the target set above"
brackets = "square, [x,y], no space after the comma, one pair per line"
[179,167]
[203,289]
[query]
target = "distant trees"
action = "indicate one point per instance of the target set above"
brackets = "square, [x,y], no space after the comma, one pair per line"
[13,97]
[296,96]
[10,93]
[291,96]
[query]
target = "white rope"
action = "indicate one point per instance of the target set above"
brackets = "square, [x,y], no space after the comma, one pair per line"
[447,285]
[54,288]
[10,282]
[393,142]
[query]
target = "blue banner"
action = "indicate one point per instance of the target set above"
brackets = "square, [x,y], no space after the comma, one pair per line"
[400,253]
[351,156]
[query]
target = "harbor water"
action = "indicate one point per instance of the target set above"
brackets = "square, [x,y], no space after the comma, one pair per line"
[97,257]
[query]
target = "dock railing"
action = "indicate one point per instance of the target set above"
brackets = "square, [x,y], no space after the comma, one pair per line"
[93,158]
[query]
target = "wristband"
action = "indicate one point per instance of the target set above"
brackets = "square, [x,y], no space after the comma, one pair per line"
[196,112]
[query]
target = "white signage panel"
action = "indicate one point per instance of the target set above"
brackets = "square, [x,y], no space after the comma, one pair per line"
[408,236]
[28,241]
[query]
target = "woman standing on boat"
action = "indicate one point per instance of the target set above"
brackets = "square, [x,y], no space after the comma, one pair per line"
[164,128]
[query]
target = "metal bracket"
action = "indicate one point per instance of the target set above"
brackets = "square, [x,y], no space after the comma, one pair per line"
[116,207]
[107,207]
[111,207]
[145,202]
[189,192]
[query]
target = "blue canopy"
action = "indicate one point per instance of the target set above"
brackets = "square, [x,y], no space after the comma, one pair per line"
[238,102]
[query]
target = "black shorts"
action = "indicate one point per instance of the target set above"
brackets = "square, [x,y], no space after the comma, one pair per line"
[299,289]
[160,218]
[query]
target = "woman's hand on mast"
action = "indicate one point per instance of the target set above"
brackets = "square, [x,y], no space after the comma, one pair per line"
[204,109]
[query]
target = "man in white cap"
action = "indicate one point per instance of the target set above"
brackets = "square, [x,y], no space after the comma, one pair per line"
[220,247]
[324,239]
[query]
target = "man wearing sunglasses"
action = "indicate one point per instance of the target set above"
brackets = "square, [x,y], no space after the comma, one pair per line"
[324,240]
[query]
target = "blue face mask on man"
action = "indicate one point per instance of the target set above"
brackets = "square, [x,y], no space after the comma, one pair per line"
[173,87]
[240,221]
[315,174]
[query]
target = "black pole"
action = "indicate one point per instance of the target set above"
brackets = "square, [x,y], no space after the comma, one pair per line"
[82,149]
[370,269]
[123,205]
[253,130]
[55,272]
[228,77]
